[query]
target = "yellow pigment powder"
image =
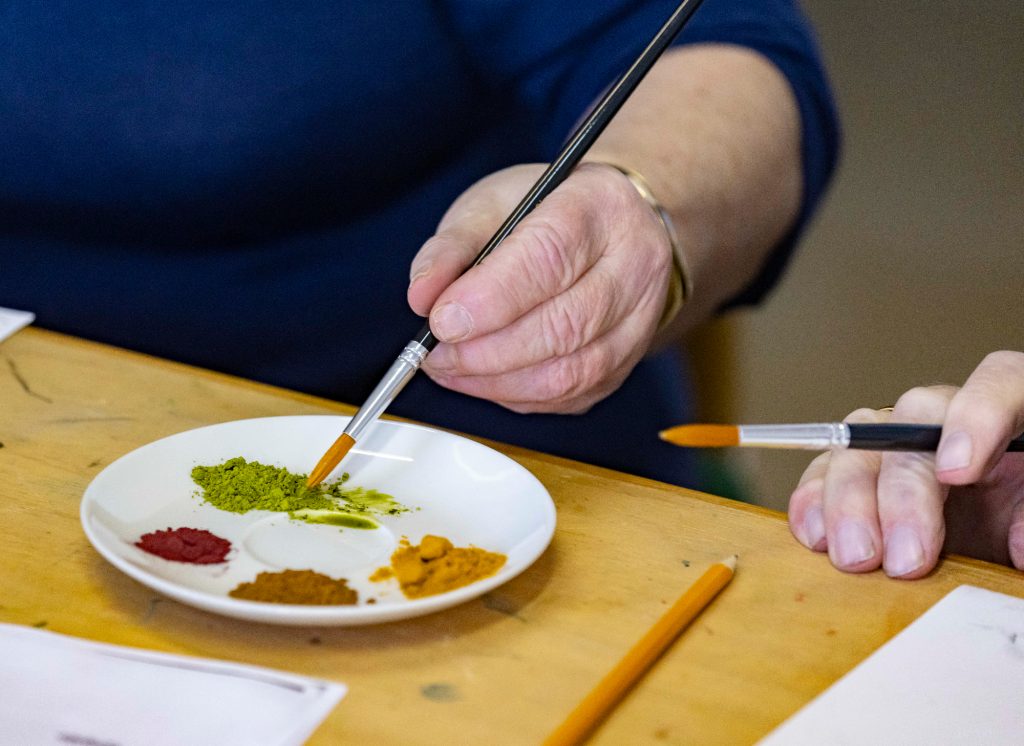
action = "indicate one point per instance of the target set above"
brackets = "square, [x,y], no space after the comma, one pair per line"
[436,566]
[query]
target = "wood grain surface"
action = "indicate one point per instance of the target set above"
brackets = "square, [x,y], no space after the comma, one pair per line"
[504,669]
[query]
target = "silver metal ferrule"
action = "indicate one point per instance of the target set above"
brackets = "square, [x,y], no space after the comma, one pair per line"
[813,437]
[399,374]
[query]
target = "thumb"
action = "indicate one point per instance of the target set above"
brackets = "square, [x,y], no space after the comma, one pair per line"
[982,418]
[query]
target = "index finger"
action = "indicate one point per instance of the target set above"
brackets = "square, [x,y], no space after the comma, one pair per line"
[463,231]
[982,419]
[541,258]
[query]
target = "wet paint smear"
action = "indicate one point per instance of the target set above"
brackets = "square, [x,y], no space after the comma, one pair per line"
[331,518]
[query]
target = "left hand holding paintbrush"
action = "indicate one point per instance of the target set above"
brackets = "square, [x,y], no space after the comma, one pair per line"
[898,510]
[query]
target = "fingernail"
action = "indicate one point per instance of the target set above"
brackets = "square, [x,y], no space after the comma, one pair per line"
[814,527]
[903,552]
[853,544]
[416,272]
[954,452]
[451,322]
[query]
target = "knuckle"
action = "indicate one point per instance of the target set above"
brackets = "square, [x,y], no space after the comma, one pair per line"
[520,407]
[548,407]
[607,187]
[474,358]
[622,197]
[563,326]
[595,365]
[563,378]
[550,251]
[446,247]
[1005,362]
[602,300]
[573,378]
[923,399]
[819,462]
[436,244]
[862,414]
[455,362]
[816,469]
[583,313]
[906,475]
[916,395]
[577,407]
[505,290]
[806,493]
[661,261]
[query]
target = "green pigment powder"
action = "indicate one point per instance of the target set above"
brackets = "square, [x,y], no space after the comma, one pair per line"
[239,486]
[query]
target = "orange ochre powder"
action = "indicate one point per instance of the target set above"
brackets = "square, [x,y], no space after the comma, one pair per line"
[297,587]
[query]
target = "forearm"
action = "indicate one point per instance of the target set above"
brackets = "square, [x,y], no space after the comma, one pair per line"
[715,131]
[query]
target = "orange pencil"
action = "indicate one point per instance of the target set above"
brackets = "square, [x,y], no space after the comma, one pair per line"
[595,706]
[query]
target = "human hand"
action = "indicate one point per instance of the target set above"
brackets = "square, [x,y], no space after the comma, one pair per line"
[899,509]
[556,318]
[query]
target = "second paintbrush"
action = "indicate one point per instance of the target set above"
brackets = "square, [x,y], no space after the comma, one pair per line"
[889,436]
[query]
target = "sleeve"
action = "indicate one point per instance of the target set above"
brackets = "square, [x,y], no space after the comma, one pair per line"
[555,57]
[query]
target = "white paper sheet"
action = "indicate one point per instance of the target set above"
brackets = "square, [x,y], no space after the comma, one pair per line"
[56,689]
[953,676]
[11,321]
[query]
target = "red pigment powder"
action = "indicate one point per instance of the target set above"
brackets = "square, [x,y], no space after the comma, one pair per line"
[195,545]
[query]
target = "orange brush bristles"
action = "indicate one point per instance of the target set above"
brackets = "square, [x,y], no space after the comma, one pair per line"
[702,435]
[330,459]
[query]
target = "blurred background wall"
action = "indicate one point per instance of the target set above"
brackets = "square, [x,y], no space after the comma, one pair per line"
[914,268]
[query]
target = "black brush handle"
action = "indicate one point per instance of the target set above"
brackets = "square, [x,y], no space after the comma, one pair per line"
[583,137]
[899,437]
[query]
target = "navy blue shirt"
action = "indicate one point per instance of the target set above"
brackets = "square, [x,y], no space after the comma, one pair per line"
[230,184]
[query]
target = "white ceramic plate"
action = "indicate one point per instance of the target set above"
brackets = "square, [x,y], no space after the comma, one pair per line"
[456,488]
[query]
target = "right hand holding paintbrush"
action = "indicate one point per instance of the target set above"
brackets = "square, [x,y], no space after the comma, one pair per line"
[899,510]
[558,317]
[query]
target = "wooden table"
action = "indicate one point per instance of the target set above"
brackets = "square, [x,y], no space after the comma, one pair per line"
[505,668]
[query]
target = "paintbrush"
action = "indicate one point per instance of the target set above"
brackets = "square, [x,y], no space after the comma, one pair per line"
[888,436]
[409,361]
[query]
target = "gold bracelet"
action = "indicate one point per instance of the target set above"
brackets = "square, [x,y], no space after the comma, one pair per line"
[680,285]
